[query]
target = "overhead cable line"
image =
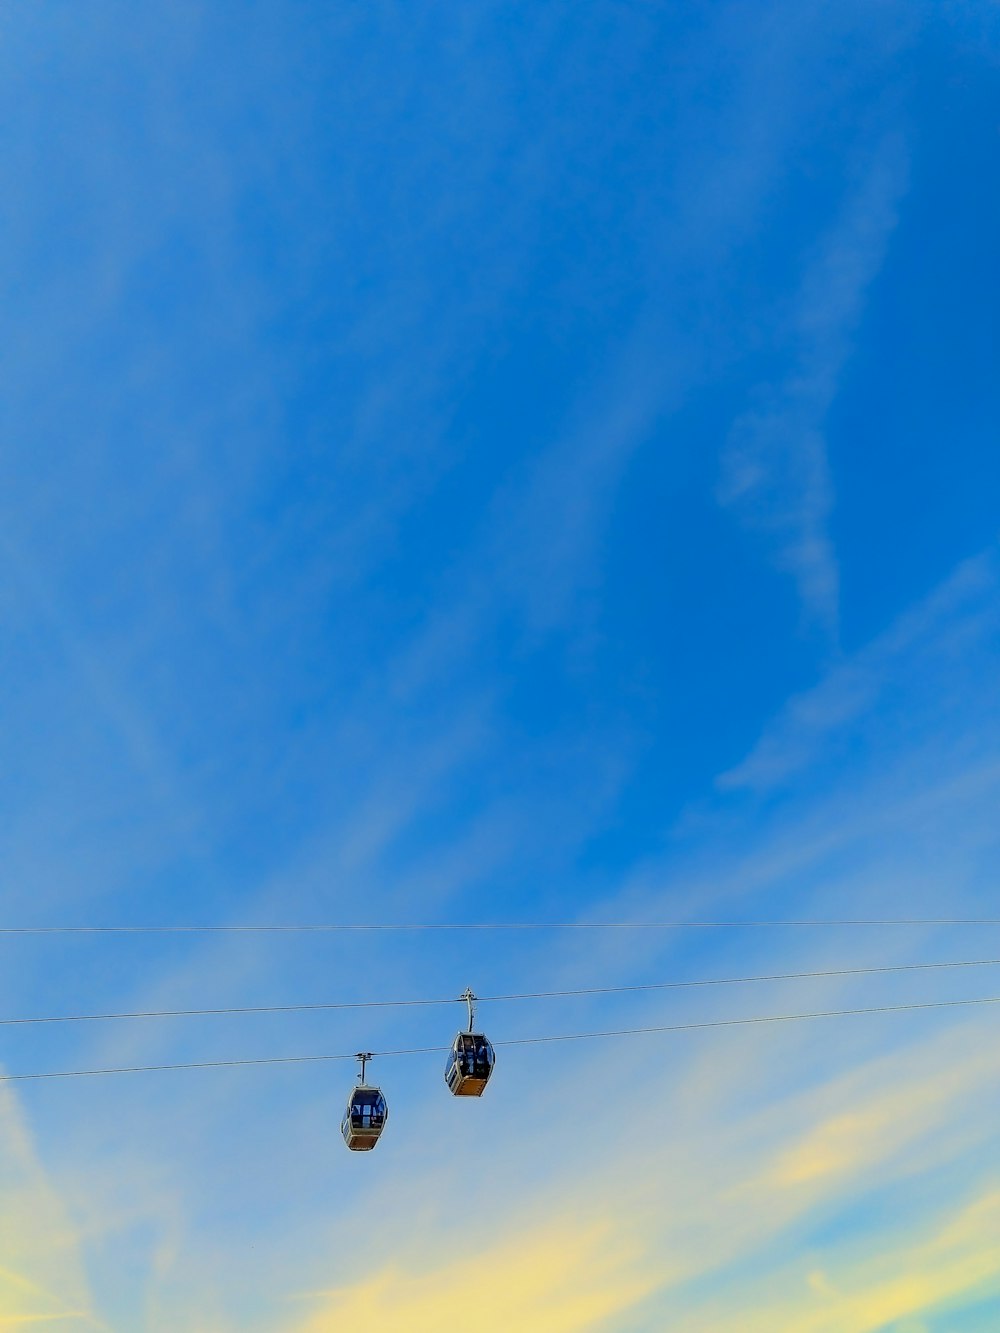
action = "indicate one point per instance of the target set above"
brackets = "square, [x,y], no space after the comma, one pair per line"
[323,928]
[513,1041]
[324,1007]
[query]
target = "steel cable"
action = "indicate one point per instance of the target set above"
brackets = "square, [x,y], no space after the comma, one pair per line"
[514,1041]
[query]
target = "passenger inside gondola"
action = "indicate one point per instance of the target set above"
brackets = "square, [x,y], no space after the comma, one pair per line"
[367,1111]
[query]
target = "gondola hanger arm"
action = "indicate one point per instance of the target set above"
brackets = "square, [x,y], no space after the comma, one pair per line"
[469,996]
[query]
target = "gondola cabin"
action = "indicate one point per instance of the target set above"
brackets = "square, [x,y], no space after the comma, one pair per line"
[470,1064]
[365,1116]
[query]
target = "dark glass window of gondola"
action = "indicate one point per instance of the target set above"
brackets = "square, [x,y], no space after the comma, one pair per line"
[367,1112]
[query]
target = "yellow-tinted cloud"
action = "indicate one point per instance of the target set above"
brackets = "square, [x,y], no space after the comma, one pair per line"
[876,1127]
[41,1276]
[913,1281]
[564,1279]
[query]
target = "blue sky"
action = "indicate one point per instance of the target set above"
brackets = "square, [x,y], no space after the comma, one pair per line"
[512,462]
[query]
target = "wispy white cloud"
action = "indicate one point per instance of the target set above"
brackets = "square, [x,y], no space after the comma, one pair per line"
[924,645]
[776,469]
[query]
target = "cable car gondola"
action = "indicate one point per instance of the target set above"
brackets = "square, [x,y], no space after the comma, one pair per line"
[366,1114]
[470,1060]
